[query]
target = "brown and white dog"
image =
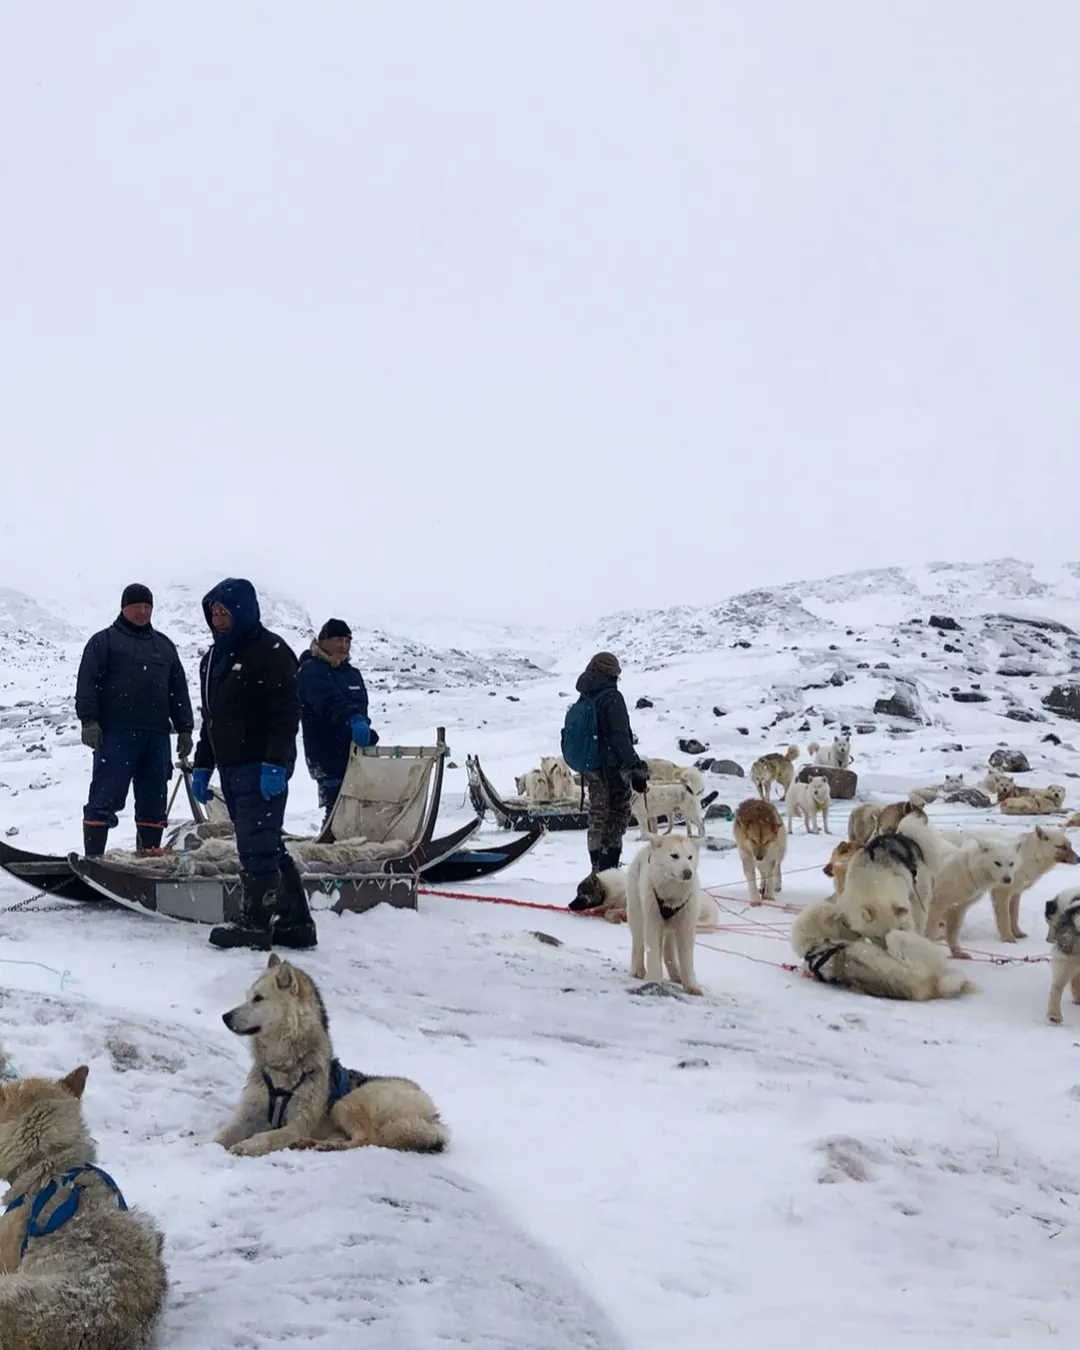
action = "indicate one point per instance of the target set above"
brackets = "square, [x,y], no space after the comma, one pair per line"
[761,840]
[773,768]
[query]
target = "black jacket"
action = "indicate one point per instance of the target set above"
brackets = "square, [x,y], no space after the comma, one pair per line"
[615,745]
[131,679]
[250,691]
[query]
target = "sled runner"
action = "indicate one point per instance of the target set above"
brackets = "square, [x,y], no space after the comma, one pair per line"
[516,813]
[468,864]
[45,872]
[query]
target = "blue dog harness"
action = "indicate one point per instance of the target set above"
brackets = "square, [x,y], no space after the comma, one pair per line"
[66,1209]
[278,1099]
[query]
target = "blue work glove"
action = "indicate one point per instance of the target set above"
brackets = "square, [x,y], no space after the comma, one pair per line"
[272,780]
[361,731]
[200,785]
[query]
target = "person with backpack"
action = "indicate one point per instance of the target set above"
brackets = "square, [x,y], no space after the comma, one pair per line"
[597,743]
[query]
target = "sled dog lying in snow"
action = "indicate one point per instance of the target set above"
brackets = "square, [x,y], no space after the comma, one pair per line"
[663,902]
[534,787]
[1063,930]
[965,876]
[1032,801]
[835,756]
[607,891]
[773,768]
[297,1094]
[77,1267]
[994,782]
[761,840]
[806,800]
[667,799]
[1037,852]
[872,947]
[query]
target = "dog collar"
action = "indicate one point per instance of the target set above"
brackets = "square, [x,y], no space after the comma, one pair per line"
[818,959]
[668,911]
[67,1207]
[278,1099]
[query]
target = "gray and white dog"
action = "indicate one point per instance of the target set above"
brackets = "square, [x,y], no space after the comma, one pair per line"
[1063,930]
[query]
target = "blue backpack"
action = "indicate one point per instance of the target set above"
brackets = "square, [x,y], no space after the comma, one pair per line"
[580,735]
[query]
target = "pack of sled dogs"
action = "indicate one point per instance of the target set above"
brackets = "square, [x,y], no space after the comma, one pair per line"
[78,1266]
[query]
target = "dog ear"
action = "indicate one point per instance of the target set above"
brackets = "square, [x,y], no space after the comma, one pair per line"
[286,976]
[275,960]
[1041,833]
[828,869]
[75,1082]
[867,915]
[1050,912]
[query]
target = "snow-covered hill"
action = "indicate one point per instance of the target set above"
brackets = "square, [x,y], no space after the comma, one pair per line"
[625,1171]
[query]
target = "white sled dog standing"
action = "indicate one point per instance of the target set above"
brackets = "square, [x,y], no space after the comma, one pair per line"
[663,902]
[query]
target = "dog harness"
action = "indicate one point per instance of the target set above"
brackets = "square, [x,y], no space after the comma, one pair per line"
[817,959]
[278,1099]
[67,1207]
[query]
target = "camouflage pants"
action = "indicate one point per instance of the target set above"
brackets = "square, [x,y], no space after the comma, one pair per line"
[609,807]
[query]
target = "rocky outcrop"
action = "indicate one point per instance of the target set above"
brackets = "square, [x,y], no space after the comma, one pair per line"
[842,782]
[1009,761]
[1064,701]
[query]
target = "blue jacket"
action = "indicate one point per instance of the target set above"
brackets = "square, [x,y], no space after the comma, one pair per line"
[331,694]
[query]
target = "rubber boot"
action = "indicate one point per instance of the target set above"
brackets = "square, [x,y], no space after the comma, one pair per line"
[148,837]
[589,896]
[259,897]
[95,837]
[292,924]
[611,857]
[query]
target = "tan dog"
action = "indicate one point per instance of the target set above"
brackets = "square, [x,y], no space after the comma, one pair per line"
[95,1279]
[807,800]
[667,800]
[1063,930]
[837,866]
[1037,852]
[761,840]
[1033,801]
[867,820]
[297,1095]
[773,768]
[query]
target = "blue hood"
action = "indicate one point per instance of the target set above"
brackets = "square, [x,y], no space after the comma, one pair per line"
[239,598]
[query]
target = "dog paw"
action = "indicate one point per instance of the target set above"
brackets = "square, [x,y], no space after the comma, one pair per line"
[694,989]
[1054,1018]
[1018,936]
[958,954]
[248,1148]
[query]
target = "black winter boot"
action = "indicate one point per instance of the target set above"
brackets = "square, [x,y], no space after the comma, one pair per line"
[609,857]
[149,836]
[589,894]
[292,924]
[95,837]
[258,900]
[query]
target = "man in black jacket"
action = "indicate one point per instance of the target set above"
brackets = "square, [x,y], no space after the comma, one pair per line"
[619,770]
[131,689]
[250,717]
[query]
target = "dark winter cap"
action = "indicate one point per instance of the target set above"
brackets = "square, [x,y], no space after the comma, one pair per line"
[136,595]
[335,628]
[605,663]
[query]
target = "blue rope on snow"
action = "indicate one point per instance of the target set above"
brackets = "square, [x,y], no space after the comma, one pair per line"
[61,974]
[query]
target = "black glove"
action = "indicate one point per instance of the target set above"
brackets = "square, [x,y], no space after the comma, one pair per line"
[184,744]
[91,735]
[639,781]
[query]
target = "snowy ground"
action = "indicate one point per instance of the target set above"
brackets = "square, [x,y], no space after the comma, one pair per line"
[775,1163]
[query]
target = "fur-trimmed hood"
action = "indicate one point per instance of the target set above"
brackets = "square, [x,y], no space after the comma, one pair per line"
[319,654]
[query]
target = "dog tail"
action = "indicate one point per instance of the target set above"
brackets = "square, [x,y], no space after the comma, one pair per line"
[416,1134]
[953,985]
[811,749]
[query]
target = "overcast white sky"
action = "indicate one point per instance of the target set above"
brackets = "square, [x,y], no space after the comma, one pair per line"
[535,308]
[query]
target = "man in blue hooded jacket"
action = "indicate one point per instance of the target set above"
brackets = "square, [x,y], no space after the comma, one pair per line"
[250,717]
[333,709]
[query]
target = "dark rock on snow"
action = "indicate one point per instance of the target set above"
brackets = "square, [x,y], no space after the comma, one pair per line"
[643,702]
[1009,761]
[690,746]
[944,622]
[970,796]
[1018,713]
[1064,701]
[842,782]
[1051,739]
[970,696]
[728,767]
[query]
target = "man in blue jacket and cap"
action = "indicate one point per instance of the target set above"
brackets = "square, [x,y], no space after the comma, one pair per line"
[333,709]
[250,717]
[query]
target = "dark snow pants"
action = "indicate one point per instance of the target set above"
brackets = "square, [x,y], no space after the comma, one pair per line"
[329,788]
[609,807]
[258,822]
[142,757]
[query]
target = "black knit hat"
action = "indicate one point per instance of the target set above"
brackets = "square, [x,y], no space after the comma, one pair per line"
[136,595]
[335,628]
